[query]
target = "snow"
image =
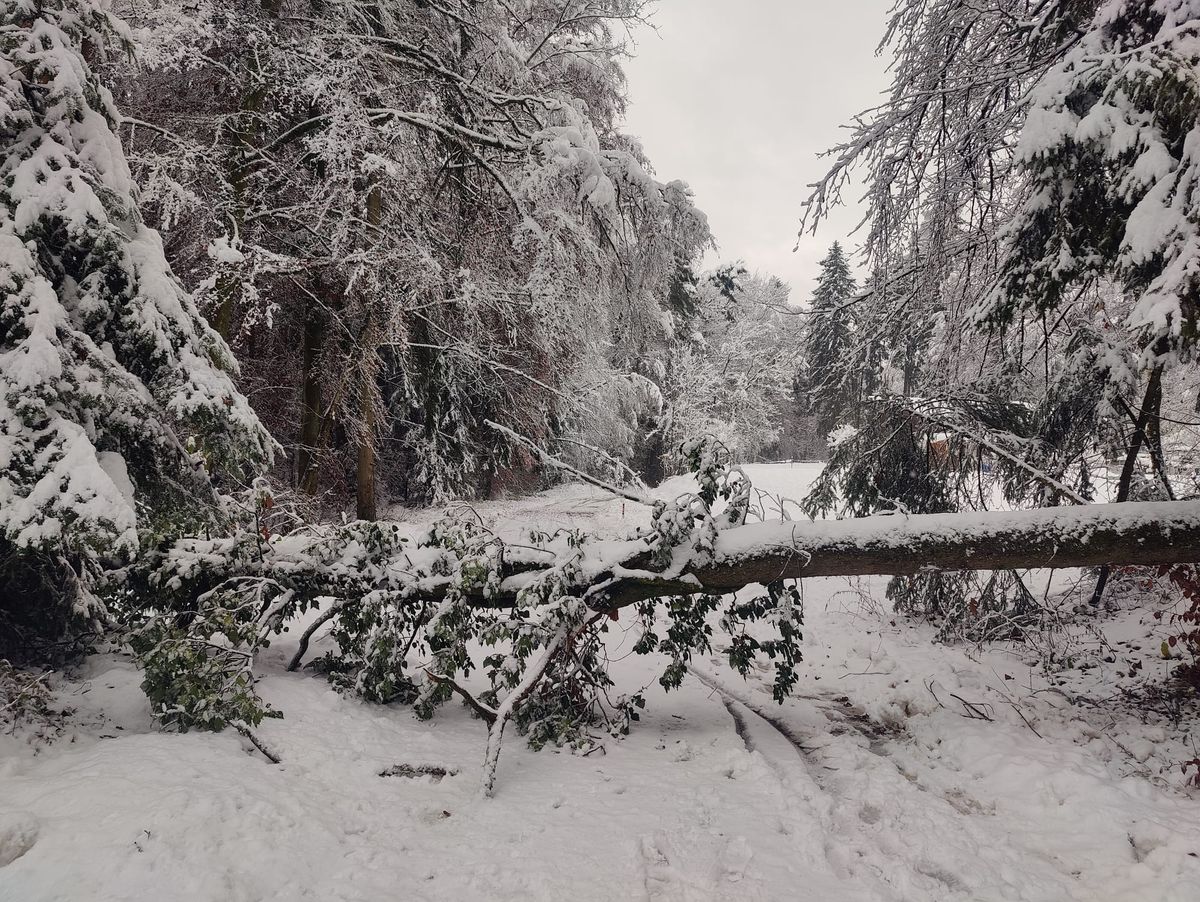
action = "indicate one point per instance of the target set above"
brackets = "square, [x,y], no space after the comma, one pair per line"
[115,468]
[873,783]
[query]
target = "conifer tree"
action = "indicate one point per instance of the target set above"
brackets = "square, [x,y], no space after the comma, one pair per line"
[117,403]
[828,342]
[1111,154]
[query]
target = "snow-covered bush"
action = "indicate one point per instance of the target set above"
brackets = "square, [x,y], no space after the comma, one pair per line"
[27,706]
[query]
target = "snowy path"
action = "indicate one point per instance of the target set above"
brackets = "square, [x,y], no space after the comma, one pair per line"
[869,785]
[1060,830]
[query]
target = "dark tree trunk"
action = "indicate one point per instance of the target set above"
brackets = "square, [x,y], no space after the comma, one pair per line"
[1147,419]
[365,470]
[310,406]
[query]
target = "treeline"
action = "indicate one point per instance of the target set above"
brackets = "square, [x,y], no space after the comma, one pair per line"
[410,218]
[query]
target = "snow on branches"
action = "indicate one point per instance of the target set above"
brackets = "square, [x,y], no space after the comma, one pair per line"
[116,399]
[433,200]
[1033,244]
[1111,146]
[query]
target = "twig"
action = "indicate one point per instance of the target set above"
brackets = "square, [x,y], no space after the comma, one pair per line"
[929,686]
[328,615]
[1021,714]
[486,713]
[974,712]
[258,743]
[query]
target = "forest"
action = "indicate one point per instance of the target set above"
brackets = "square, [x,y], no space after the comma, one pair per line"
[370,400]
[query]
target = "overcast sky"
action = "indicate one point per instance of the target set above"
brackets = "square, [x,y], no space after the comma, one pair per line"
[737,100]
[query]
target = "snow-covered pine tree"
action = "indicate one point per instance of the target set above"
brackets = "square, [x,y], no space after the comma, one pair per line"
[1111,150]
[829,343]
[117,405]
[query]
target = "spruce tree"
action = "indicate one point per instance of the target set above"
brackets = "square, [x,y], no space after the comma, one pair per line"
[1111,154]
[117,401]
[828,343]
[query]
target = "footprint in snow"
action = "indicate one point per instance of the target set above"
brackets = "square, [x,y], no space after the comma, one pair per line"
[18,833]
[662,881]
[735,859]
[665,881]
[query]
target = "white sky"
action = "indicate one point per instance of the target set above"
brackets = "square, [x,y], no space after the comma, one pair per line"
[737,100]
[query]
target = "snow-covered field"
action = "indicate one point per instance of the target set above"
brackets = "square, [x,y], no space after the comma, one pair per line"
[902,770]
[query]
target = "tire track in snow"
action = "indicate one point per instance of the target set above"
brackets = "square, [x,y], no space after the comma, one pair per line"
[878,824]
[806,808]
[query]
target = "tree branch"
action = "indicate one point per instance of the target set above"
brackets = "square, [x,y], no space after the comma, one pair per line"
[487,714]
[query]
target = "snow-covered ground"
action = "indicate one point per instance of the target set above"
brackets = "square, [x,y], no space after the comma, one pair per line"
[902,770]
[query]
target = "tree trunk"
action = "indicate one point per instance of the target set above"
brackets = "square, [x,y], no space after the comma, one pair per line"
[1154,436]
[365,472]
[1133,533]
[1137,533]
[1145,534]
[1147,415]
[241,144]
[310,407]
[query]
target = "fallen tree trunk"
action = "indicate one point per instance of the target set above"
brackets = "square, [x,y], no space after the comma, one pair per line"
[609,575]
[370,568]
[1144,534]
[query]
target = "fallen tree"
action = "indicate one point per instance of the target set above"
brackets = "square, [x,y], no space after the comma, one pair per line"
[1136,534]
[409,615]
[616,574]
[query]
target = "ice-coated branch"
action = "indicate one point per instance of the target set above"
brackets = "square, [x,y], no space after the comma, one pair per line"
[551,461]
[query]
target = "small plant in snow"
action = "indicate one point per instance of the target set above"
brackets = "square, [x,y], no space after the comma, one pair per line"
[27,705]
[1186,642]
[198,665]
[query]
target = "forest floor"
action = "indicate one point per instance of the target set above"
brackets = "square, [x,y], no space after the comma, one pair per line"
[901,770]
